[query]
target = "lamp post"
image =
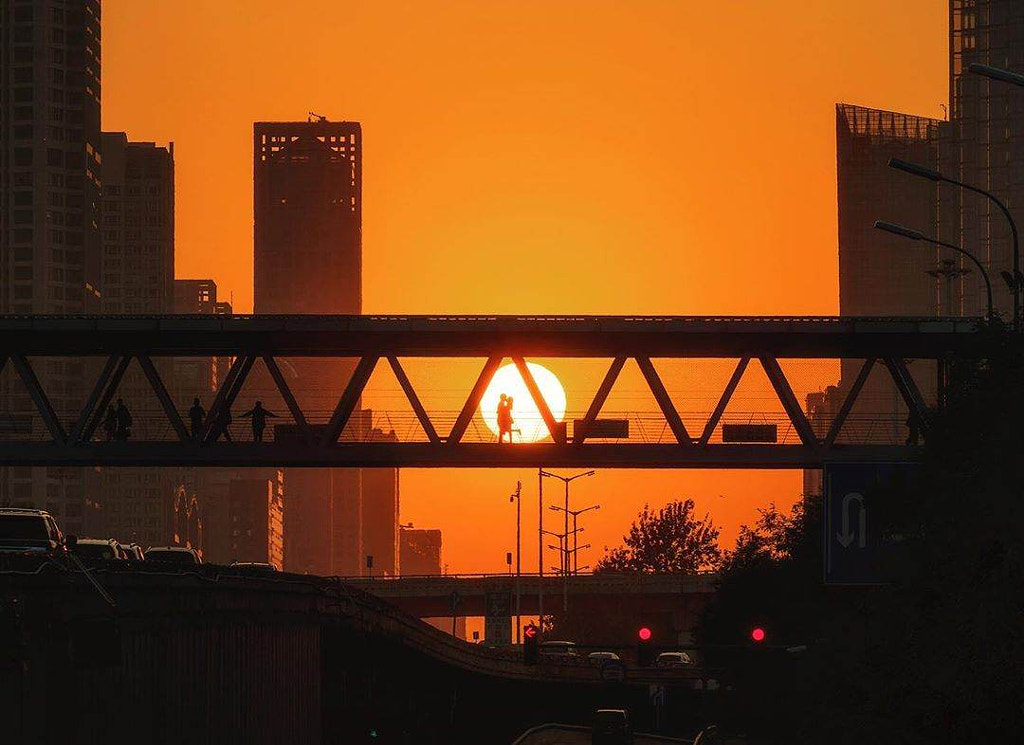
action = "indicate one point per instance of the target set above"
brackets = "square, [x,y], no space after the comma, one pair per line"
[575,514]
[565,561]
[915,169]
[916,235]
[514,497]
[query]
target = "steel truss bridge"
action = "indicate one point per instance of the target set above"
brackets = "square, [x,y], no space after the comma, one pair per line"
[372,341]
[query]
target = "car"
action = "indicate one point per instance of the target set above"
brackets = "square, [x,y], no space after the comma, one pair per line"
[600,658]
[132,552]
[173,555]
[30,531]
[611,727]
[558,650]
[96,550]
[673,659]
[254,567]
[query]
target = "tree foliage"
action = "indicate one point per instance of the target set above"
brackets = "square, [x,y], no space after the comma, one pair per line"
[672,539]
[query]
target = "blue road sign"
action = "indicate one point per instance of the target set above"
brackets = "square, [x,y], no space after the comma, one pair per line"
[857,551]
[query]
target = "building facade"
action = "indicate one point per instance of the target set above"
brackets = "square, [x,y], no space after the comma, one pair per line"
[49,233]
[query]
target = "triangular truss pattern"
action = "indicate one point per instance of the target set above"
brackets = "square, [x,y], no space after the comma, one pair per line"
[324,437]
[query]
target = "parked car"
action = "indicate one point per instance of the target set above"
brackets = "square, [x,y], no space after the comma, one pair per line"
[132,552]
[558,650]
[255,567]
[674,659]
[173,555]
[28,531]
[96,550]
[611,727]
[600,658]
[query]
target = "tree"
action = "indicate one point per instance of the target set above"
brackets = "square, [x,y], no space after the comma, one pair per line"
[672,539]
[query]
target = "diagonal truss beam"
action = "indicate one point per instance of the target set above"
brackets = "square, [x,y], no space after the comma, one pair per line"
[229,390]
[42,403]
[788,399]
[349,400]
[155,382]
[99,399]
[908,390]
[414,400]
[473,402]
[557,433]
[289,398]
[599,399]
[723,402]
[848,403]
[675,422]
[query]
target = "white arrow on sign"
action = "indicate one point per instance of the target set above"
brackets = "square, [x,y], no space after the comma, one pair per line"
[846,537]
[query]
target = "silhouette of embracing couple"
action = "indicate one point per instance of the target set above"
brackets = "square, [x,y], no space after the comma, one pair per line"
[505,418]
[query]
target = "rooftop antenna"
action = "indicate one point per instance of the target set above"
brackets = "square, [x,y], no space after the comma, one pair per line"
[312,116]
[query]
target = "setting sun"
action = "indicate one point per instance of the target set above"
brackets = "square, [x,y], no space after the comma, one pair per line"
[527,424]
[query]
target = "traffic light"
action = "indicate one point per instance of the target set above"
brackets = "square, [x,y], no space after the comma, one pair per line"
[531,639]
[757,634]
[644,648]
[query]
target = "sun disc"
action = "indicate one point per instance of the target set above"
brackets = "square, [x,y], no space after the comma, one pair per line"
[527,423]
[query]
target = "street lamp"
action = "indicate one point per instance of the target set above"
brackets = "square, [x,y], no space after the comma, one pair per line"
[515,497]
[575,514]
[916,235]
[996,73]
[565,560]
[915,169]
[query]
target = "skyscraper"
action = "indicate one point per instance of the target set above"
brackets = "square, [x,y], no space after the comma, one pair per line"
[307,210]
[984,146]
[49,194]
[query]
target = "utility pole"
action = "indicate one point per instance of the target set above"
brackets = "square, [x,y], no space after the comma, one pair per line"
[519,557]
[540,550]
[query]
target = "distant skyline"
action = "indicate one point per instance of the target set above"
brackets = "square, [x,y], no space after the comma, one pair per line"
[663,159]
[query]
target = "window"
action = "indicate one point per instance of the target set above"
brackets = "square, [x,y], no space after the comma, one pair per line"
[22,156]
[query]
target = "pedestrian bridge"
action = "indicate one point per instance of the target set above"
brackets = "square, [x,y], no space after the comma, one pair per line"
[53,430]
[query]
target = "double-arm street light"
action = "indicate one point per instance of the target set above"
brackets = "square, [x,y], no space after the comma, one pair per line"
[916,235]
[915,169]
[541,475]
[575,514]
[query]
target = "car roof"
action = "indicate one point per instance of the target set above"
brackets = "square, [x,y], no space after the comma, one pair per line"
[23,511]
[96,541]
[169,548]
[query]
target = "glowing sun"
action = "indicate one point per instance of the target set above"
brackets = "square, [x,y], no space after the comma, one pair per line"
[527,425]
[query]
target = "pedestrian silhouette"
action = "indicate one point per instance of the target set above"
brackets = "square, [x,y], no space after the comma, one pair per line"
[224,425]
[505,418]
[110,423]
[123,417]
[196,414]
[259,420]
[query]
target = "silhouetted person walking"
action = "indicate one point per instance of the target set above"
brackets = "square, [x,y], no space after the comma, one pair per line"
[124,421]
[110,423]
[196,414]
[224,425]
[259,420]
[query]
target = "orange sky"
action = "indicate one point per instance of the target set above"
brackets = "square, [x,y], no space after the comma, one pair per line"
[616,157]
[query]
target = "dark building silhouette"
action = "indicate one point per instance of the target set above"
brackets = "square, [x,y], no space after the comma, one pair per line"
[250,524]
[984,145]
[49,232]
[307,180]
[419,551]
[380,512]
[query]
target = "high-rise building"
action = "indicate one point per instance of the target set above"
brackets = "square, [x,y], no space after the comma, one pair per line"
[984,146]
[138,226]
[380,505]
[135,504]
[253,527]
[49,194]
[308,259]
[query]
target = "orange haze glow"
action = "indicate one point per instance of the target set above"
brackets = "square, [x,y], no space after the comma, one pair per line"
[612,157]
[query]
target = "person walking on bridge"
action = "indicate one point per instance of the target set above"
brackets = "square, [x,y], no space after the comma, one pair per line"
[196,414]
[259,420]
[123,418]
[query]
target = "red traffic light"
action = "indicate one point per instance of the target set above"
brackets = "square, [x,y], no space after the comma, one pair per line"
[530,631]
[757,634]
[644,634]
